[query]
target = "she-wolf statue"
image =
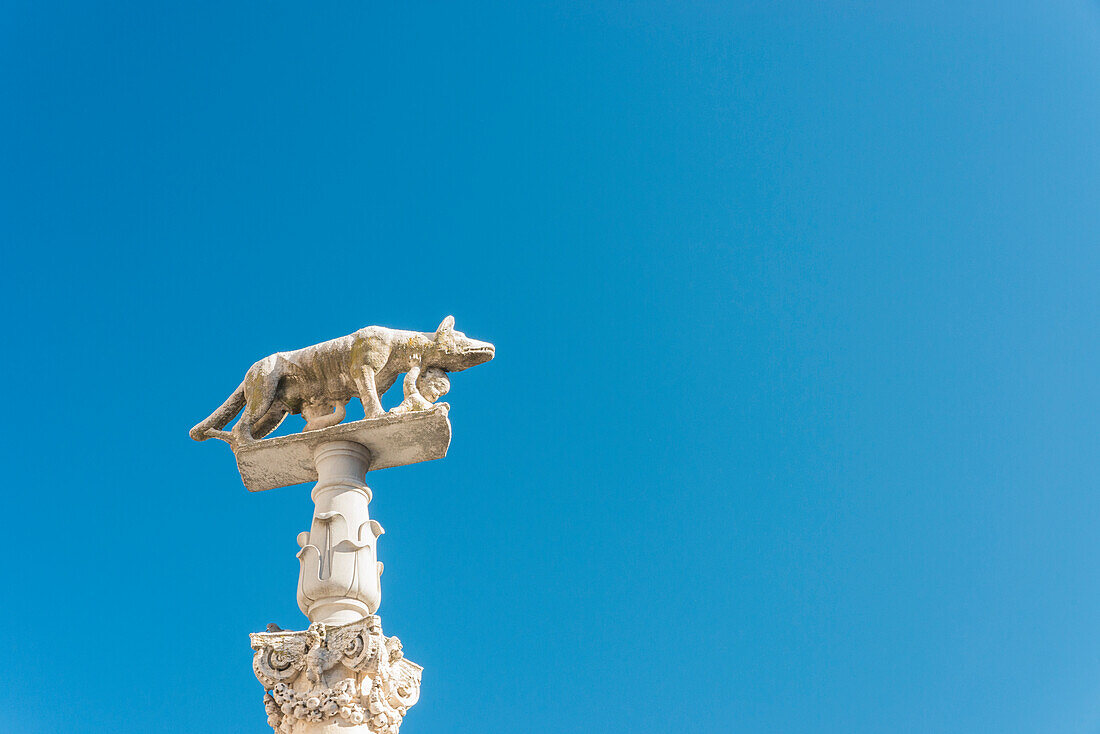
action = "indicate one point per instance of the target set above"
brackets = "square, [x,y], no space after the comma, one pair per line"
[318,381]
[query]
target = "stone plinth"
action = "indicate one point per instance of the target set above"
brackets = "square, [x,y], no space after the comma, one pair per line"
[395,439]
[349,678]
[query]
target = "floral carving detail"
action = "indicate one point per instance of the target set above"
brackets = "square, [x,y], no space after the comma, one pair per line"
[283,705]
[352,672]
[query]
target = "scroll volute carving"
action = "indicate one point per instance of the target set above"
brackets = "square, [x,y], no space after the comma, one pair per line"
[352,672]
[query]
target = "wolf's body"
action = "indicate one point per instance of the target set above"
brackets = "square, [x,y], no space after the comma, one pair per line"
[318,381]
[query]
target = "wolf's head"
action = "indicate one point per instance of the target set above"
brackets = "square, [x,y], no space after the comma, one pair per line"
[455,351]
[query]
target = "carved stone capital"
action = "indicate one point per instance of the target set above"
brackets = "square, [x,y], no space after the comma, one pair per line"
[351,677]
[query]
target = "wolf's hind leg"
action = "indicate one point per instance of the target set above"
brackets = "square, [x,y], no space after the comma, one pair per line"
[270,420]
[259,393]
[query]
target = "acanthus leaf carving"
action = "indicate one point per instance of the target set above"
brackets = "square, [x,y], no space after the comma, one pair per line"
[352,672]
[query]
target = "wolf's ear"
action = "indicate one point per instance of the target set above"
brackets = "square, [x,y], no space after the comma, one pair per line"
[445,325]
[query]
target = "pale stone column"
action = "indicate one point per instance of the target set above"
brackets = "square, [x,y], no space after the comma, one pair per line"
[342,675]
[339,580]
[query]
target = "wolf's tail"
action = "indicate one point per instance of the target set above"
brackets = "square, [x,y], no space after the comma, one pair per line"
[220,417]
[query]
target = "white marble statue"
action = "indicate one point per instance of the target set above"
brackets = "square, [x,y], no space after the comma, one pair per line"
[318,381]
[341,675]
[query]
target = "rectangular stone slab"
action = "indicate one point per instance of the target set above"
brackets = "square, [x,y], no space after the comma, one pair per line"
[393,440]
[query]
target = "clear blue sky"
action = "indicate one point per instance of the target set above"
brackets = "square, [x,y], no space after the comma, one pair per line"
[793,423]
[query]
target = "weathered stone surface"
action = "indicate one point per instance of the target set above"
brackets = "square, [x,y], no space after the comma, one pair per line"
[395,439]
[342,675]
[318,381]
[346,678]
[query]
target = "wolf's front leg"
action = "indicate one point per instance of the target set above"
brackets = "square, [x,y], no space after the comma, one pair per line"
[368,393]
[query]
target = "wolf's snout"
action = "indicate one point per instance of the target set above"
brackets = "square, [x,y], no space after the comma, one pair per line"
[484,352]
